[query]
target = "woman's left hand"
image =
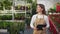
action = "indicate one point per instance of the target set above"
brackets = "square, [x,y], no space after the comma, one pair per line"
[44,28]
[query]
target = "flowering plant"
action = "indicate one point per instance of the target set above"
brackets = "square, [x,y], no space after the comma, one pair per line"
[56,19]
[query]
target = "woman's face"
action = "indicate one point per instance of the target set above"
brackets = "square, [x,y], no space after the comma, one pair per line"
[39,9]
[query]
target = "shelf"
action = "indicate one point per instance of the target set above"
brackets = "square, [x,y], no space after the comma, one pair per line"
[53,13]
[5,14]
[20,12]
[28,17]
[18,17]
[13,20]
[3,30]
[6,11]
[17,14]
[19,21]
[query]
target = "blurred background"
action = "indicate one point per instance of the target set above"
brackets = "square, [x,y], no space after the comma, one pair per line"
[15,15]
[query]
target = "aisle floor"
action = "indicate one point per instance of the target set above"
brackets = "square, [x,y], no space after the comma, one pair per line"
[30,31]
[26,31]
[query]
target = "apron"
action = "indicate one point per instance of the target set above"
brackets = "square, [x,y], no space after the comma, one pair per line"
[39,21]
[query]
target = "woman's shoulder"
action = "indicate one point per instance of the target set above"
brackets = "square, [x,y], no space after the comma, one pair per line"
[45,16]
[36,15]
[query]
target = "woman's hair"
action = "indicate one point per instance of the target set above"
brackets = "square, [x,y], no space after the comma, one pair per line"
[43,7]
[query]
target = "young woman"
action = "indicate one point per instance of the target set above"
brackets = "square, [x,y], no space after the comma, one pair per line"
[39,21]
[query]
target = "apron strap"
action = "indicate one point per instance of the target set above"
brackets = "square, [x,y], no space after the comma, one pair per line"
[43,16]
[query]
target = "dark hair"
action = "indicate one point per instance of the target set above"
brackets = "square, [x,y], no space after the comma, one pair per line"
[43,7]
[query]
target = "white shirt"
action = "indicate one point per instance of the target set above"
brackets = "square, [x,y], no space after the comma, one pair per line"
[39,16]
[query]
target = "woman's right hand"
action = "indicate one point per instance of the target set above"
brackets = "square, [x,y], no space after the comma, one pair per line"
[35,28]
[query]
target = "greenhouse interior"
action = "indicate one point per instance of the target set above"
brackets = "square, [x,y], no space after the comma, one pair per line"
[15,15]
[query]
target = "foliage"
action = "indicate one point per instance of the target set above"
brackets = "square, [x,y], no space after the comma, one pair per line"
[34,8]
[12,27]
[28,21]
[6,3]
[1,6]
[19,16]
[29,1]
[56,19]
[5,17]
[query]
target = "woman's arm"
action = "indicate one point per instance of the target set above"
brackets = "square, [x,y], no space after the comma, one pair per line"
[47,21]
[32,22]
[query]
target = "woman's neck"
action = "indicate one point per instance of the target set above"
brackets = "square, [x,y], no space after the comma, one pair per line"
[39,13]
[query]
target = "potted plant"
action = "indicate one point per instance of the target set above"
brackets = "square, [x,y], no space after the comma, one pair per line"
[6,17]
[17,7]
[17,16]
[4,24]
[20,16]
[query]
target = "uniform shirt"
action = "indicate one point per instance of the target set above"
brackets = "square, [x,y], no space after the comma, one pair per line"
[39,16]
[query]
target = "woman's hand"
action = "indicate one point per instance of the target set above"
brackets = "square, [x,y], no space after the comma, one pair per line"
[35,28]
[44,28]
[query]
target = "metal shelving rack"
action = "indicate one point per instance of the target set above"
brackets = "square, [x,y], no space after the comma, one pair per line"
[13,11]
[24,3]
